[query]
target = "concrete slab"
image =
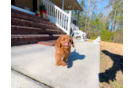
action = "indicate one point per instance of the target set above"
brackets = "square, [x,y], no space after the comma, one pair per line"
[38,62]
[20,81]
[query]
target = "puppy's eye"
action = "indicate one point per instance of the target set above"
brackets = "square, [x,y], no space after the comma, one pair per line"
[69,40]
[63,39]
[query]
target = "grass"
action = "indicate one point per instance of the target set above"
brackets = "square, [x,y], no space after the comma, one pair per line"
[111,65]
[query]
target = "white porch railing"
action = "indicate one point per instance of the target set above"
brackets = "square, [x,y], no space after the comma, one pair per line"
[58,16]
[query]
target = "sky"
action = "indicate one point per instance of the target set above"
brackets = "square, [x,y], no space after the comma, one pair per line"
[102,5]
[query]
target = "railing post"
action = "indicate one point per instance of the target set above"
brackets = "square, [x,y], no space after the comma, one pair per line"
[62,4]
[72,13]
[69,23]
[78,18]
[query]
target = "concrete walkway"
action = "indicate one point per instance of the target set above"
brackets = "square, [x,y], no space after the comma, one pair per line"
[21,81]
[38,62]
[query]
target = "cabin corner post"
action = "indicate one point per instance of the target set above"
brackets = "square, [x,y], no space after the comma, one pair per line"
[69,23]
[62,4]
[78,18]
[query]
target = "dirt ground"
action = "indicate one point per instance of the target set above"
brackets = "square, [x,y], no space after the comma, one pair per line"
[112,47]
[111,65]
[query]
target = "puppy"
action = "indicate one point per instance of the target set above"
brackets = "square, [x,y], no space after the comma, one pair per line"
[63,47]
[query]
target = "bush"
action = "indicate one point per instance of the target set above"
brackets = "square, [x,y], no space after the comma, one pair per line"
[91,34]
[106,35]
[93,37]
[118,37]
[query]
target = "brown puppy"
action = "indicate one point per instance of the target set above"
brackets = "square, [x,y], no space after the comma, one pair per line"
[63,47]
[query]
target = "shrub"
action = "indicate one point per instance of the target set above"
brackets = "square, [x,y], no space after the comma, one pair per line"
[94,37]
[118,37]
[105,35]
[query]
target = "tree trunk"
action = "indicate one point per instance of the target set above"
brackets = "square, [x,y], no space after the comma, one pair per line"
[92,11]
[113,21]
[99,6]
[87,14]
[105,10]
[113,24]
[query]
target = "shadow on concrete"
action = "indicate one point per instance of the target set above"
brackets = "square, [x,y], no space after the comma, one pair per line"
[110,73]
[74,56]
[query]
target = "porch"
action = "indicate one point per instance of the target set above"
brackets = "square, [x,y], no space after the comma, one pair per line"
[58,12]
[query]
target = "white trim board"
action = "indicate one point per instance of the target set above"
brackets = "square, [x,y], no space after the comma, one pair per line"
[22,10]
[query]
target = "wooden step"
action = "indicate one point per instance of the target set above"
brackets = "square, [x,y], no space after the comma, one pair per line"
[30,18]
[28,29]
[24,30]
[49,42]
[29,15]
[31,30]
[19,22]
[28,39]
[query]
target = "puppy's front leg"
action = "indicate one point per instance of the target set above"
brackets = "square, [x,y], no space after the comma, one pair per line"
[58,60]
[63,63]
[64,60]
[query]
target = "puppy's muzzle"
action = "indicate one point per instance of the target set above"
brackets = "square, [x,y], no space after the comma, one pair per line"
[66,44]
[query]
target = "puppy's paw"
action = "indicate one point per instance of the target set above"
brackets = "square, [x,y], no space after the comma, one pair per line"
[58,64]
[63,63]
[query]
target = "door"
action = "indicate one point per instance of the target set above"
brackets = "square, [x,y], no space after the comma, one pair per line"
[12,2]
[34,5]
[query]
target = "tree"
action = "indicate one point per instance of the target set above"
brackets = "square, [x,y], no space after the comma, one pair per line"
[87,14]
[99,6]
[93,7]
[82,17]
[116,15]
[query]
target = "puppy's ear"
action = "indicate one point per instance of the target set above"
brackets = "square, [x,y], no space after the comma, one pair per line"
[72,43]
[57,42]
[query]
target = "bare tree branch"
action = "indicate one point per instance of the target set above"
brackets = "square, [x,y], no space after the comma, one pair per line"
[87,14]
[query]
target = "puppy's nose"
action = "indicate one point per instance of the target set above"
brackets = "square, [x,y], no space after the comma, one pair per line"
[66,44]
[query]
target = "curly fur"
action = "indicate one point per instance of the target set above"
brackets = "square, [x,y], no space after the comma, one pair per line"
[62,50]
